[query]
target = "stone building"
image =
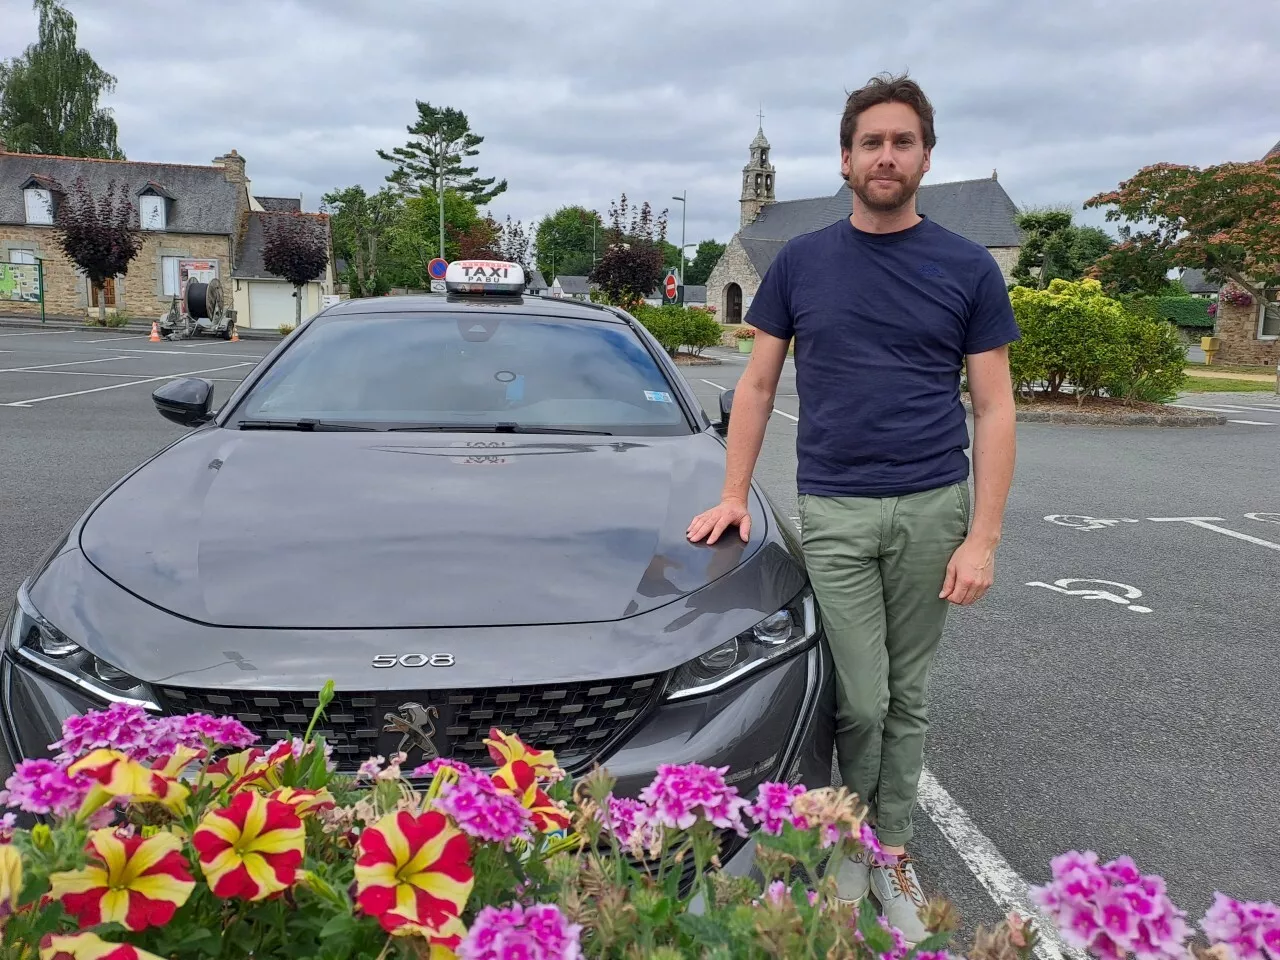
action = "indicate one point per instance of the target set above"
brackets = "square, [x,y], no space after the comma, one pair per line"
[197,221]
[977,209]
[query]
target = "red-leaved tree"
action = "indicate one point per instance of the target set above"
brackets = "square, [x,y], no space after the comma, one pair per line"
[631,266]
[1223,219]
[97,235]
[295,248]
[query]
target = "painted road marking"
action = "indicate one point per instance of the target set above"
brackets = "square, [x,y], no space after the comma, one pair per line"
[1189,406]
[94,373]
[712,383]
[38,333]
[117,386]
[70,363]
[109,339]
[1006,887]
[1205,524]
[1077,522]
[1093,593]
[1253,423]
[1264,517]
[191,353]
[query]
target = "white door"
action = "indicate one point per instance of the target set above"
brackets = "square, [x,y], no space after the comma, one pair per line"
[271,304]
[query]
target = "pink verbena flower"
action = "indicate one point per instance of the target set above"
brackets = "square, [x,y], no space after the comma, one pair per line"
[8,824]
[772,808]
[122,726]
[900,947]
[1250,930]
[537,932]
[682,794]
[629,819]
[1112,909]
[43,786]
[483,811]
[196,728]
[428,770]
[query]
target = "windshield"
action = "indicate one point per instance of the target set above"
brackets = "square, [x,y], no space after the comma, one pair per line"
[471,370]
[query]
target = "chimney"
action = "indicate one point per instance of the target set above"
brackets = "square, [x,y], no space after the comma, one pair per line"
[232,166]
[993,173]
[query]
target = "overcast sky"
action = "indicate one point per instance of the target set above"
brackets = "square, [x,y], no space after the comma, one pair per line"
[579,101]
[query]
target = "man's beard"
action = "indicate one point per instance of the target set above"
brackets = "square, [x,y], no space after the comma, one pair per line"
[887,203]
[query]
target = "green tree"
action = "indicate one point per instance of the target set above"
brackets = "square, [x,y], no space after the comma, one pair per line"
[49,95]
[631,266]
[360,225]
[1056,248]
[568,241]
[433,159]
[412,238]
[704,261]
[1223,219]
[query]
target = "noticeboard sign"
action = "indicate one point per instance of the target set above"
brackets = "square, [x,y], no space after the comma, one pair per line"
[20,282]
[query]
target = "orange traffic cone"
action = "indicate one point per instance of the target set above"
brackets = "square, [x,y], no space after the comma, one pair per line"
[235,337]
[155,332]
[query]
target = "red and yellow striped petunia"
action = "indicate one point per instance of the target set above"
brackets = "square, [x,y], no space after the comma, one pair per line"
[305,801]
[251,848]
[89,946]
[10,879]
[233,766]
[505,748]
[115,775]
[520,780]
[137,882]
[413,875]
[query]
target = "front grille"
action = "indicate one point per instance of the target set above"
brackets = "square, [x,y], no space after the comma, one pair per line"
[576,720]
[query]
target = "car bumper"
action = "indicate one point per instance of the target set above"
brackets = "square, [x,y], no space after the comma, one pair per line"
[777,724]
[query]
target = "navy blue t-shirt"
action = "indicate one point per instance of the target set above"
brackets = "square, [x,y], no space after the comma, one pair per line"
[882,323]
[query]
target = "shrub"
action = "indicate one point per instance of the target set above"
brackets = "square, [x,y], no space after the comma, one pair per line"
[285,329]
[1180,311]
[1073,335]
[744,333]
[674,327]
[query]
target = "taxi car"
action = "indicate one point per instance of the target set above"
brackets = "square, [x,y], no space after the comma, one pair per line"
[469,510]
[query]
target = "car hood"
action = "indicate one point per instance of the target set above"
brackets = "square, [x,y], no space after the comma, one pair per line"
[385,530]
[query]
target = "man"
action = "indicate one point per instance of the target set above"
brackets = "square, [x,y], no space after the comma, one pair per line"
[885,307]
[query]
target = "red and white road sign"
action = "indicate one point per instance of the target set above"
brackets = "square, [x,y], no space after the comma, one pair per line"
[670,289]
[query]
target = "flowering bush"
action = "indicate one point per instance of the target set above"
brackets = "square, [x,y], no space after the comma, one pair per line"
[183,838]
[745,333]
[1234,294]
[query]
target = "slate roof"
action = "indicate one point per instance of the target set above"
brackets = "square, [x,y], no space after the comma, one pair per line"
[574,286]
[695,293]
[249,265]
[978,210]
[204,201]
[280,204]
[1195,282]
[537,282]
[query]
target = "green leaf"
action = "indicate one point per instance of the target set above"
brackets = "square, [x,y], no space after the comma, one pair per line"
[878,939]
[932,943]
[706,930]
[341,923]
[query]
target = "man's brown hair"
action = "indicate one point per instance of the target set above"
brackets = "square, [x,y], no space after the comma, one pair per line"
[887,88]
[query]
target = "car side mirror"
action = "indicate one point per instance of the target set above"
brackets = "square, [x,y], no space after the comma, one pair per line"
[726,406]
[186,401]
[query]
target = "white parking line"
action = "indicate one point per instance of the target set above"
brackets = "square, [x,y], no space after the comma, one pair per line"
[136,336]
[189,353]
[1204,524]
[37,333]
[1002,882]
[712,383]
[1190,406]
[117,386]
[70,363]
[118,376]
[1254,423]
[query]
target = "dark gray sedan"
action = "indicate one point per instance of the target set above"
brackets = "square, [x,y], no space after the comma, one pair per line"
[469,511]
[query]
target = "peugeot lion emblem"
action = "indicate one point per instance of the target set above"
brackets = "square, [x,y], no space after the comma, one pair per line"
[413,722]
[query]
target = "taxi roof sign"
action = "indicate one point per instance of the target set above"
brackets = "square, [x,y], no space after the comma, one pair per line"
[484,278]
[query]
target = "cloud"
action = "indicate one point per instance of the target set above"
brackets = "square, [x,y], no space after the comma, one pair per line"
[579,102]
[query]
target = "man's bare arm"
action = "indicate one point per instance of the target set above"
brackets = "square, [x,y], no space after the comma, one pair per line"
[972,568]
[752,405]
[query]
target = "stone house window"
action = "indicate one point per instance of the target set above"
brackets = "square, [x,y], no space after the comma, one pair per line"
[39,205]
[151,212]
[22,256]
[1269,317]
[169,276]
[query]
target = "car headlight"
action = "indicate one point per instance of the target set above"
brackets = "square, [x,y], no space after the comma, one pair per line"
[38,642]
[776,636]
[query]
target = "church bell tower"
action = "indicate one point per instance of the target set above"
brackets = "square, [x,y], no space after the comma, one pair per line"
[757,178]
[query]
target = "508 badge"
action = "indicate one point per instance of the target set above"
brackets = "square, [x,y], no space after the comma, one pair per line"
[385,660]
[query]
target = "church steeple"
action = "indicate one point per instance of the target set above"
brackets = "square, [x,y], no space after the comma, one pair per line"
[757,178]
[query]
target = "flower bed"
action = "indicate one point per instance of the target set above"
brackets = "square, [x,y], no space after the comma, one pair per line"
[180,837]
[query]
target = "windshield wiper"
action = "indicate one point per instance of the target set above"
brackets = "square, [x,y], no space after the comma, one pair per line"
[303,424]
[505,427]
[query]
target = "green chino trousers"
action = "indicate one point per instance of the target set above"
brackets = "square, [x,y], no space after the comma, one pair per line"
[877,566]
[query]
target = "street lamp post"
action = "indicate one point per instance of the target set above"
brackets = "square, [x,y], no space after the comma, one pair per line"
[684,206]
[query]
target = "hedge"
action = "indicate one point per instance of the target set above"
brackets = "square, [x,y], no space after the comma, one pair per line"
[675,327]
[1180,311]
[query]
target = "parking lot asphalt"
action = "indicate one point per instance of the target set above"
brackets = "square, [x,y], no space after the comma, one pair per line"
[1060,721]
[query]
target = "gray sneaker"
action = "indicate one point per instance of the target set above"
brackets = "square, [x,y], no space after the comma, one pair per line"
[897,888]
[853,878]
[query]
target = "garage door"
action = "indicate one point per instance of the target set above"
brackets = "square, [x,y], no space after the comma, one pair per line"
[271,304]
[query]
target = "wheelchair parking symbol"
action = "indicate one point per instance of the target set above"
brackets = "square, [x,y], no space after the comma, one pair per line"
[1124,598]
